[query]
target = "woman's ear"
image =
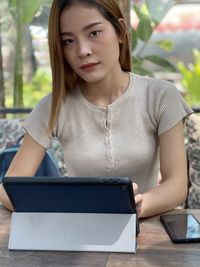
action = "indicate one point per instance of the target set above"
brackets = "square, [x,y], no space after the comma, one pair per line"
[123,32]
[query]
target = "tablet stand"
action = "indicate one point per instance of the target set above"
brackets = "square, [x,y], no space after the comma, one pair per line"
[73,232]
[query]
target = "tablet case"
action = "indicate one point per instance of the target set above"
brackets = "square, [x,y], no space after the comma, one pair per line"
[70,194]
[73,232]
[72,213]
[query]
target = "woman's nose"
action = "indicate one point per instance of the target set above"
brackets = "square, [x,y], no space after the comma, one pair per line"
[84,50]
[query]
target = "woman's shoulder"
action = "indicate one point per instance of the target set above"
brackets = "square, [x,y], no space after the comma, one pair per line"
[153,83]
[41,111]
[45,102]
[44,105]
[155,88]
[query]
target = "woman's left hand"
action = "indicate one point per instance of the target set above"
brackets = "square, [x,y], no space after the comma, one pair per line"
[138,199]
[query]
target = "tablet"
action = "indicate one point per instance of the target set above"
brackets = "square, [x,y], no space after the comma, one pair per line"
[71,194]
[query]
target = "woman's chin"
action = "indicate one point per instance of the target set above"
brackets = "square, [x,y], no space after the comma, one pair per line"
[92,78]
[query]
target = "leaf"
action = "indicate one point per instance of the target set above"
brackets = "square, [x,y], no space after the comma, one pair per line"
[46,2]
[161,62]
[158,9]
[26,9]
[166,45]
[134,39]
[139,13]
[191,78]
[144,10]
[144,30]
[137,60]
[29,10]
[196,54]
[142,71]
[12,7]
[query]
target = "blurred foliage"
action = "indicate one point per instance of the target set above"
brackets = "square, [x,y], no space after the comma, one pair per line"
[150,14]
[39,87]
[34,90]
[22,12]
[191,79]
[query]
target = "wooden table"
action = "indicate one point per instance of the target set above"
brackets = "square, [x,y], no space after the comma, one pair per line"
[154,249]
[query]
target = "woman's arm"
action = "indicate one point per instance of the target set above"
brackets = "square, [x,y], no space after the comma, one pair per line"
[173,167]
[25,163]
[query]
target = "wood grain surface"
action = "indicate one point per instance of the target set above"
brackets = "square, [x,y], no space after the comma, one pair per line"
[155,249]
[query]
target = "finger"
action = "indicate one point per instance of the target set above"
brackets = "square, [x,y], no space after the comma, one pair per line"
[159,181]
[135,188]
[138,199]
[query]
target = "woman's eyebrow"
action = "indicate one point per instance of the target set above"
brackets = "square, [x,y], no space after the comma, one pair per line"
[87,27]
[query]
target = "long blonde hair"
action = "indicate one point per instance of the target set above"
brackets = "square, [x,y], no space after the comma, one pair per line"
[63,77]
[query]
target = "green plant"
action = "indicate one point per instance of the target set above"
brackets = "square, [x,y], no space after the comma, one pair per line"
[35,90]
[150,14]
[39,87]
[22,12]
[191,79]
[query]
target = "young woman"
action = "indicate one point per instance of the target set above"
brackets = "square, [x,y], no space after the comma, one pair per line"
[109,121]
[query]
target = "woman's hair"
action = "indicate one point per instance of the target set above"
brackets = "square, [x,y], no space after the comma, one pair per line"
[63,77]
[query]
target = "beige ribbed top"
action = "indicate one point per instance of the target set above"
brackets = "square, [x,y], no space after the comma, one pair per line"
[120,140]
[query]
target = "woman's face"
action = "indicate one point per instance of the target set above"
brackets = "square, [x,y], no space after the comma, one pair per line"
[90,43]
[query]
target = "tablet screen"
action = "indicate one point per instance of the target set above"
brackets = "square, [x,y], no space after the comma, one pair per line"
[70,194]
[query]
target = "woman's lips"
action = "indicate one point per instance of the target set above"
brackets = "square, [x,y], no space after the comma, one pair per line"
[89,66]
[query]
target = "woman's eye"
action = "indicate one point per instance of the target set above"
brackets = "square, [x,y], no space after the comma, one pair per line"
[94,34]
[67,42]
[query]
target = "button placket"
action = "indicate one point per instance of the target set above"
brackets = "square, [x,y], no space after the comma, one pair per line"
[110,160]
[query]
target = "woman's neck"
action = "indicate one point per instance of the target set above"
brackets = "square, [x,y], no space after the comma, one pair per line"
[106,91]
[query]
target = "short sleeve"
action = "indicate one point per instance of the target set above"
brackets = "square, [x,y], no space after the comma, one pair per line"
[36,124]
[167,105]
